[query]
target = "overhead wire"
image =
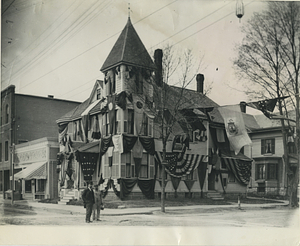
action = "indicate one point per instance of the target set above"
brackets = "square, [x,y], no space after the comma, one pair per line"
[64,36]
[32,43]
[187,27]
[41,41]
[85,52]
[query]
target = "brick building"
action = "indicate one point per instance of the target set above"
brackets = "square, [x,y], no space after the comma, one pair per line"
[25,118]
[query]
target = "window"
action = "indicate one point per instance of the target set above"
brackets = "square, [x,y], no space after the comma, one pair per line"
[260,171]
[41,183]
[291,148]
[6,114]
[106,123]
[139,82]
[128,165]
[268,146]
[231,178]
[144,166]
[130,122]
[189,176]
[98,93]
[145,125]
[272,171]
[6,151]
[0,152]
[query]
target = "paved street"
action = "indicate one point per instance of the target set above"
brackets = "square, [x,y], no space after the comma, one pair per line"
[38,223]
[248,216]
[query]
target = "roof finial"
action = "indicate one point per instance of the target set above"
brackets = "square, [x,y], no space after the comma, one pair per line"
[128,10]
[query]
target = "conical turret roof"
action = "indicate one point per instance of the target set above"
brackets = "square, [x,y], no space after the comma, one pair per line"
[129,50]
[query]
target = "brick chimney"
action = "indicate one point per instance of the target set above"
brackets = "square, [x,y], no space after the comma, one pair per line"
[243,107]
[200,82]
[158,55]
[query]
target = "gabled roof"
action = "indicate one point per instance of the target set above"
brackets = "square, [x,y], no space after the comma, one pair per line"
[129,50]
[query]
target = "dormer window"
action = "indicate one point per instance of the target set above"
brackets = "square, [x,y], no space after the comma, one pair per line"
[98,93]
[268,146]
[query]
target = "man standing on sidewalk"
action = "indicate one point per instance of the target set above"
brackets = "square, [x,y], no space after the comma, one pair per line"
[88,201]
[98,203]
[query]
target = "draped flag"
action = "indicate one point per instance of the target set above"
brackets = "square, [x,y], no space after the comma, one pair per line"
[118,143]
[266,106]
[111,111]
[179,169]
[138,114]
[63,130]
[96,134]
[235,127]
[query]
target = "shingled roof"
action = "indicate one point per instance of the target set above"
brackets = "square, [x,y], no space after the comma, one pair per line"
[129,50]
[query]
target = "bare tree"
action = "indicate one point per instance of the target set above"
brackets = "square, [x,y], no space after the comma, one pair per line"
[269,58]
[176,70]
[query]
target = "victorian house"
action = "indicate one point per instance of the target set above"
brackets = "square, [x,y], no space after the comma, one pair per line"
[113,138]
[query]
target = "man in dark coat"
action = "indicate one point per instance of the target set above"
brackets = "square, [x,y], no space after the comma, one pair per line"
[88,201]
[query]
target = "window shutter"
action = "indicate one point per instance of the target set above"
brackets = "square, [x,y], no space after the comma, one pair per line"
[273,146]
[263,143]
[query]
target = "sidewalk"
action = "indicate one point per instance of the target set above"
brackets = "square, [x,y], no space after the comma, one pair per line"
[144,210]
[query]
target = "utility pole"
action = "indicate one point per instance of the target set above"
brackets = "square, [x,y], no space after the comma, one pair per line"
[12,166]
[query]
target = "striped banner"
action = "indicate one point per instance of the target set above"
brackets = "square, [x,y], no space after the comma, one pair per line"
[240,168]
[181,168]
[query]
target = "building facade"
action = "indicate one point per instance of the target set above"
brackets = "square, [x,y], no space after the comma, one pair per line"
[114,138]
[35,169]
[25,118]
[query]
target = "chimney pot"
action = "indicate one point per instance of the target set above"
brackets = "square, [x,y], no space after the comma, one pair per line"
[243,106]
[200,82]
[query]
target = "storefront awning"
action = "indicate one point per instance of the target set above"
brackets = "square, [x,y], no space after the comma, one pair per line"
[240,165]
[34,171]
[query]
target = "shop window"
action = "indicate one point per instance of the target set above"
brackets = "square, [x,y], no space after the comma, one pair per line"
[6,151]
[144,166]
[272,171]
[260,171]
[268,146]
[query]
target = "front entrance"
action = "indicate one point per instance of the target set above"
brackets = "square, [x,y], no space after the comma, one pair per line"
[211,180]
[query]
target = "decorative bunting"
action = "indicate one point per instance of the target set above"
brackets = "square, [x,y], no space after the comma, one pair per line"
[240,166]
[182,168]
[147,187]
[128,142]
[148,144]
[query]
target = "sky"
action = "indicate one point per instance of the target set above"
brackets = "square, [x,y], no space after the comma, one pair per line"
[57,47]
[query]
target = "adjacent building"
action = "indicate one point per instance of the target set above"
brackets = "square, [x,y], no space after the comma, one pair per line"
[25,118]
